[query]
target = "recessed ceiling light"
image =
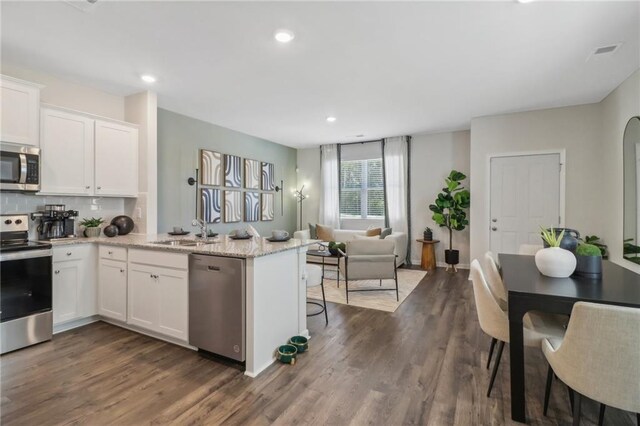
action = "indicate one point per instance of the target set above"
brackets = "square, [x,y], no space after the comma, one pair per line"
[147,78]
[525,1]
[284,36]
[331,119]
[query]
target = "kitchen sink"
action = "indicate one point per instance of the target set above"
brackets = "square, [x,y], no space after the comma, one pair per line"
[184,243]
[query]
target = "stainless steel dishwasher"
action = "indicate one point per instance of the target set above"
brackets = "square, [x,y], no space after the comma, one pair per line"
[217,305]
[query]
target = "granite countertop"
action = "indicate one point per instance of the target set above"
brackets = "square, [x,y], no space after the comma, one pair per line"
[221,245]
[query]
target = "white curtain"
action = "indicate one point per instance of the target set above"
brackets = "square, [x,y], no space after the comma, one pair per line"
[330,197]
[396,175]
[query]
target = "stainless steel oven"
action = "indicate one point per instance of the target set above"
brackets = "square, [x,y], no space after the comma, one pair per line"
[26,288]
[19,168]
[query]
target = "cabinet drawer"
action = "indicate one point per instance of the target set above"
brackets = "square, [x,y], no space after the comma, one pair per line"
[159,258]
[113,253]
[75,252]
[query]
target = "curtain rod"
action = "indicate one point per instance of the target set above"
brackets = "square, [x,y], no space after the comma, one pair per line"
[361,142]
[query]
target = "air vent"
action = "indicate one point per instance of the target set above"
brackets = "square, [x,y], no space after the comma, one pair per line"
[606,49]
[603,52]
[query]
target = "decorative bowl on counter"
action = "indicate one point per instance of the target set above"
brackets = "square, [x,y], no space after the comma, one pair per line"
[287,354]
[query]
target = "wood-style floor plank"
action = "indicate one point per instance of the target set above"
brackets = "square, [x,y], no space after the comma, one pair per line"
[423,364]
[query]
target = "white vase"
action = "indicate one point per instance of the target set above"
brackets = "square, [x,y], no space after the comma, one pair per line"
[555,262]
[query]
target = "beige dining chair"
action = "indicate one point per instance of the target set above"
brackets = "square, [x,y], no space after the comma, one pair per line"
[599,357]
[495,322]
[369,260]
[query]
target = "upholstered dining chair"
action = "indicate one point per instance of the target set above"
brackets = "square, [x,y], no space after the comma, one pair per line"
[368,260]
[599,357]
[495,322]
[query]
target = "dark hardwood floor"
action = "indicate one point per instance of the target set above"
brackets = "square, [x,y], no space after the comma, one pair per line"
[423,364]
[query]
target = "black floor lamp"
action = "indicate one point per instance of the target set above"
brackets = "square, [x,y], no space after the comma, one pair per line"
[300,197]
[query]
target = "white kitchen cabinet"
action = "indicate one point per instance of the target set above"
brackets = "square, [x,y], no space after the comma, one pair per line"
[112,284]
[74,284]
[116,159]
[19,111]
[67,153]
[159,295]
[84,155]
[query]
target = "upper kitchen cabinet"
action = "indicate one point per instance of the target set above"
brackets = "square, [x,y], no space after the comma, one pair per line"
[19,111]
[116,164]
[86,155]
[67,153]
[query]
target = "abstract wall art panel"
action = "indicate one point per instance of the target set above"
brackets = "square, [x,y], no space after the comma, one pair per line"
[211,205]
[232,171]
[251,206]
[232,206]
[268,178]
[251,174]
[267,206]
[210,167]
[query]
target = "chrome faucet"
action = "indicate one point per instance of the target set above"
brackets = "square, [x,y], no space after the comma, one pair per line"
[204,232]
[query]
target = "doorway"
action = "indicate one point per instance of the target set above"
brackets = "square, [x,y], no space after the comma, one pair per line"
[526,192]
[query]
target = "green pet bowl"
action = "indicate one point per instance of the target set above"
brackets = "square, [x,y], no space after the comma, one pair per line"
[287,354]
[300,342]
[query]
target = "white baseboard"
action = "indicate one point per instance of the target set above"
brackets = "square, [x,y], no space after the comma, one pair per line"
[70,325]
[148,333]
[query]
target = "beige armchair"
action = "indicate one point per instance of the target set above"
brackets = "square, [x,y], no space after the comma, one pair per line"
[368,260]
[599,357]
[494,321]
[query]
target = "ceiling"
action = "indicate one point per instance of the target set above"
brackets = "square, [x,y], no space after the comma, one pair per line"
[381,68]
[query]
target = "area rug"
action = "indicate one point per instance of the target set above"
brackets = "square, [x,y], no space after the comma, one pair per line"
[408,279]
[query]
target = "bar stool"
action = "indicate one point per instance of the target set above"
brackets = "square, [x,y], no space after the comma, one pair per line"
[315,278]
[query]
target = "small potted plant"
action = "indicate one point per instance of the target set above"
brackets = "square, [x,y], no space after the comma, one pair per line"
[92,226]
[334,246]
[588,261]
[554,261]
[428,234]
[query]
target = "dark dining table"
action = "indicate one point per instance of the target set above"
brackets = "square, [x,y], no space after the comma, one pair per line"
[529,290]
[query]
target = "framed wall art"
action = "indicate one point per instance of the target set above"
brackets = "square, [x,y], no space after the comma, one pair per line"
[232,206]
[251,174]
[232,171]
[266,206]
[210,167]
[211,205]
[268,178]
[251,206]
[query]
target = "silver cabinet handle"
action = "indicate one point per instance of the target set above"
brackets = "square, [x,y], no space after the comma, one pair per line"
[153,276]
[87,187]
[99,187]
[68,253]
[110,252]
[494,220]
[494,229]
[122,270]
[57,272]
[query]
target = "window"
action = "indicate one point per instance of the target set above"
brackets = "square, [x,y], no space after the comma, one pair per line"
[361,189]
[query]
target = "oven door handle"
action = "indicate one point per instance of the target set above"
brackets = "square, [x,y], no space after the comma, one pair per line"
[25,254]
[23,168]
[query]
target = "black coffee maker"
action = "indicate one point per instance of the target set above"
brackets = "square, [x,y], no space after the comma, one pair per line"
[55,222]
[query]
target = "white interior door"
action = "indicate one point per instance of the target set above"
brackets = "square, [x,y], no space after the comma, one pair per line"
[525,194]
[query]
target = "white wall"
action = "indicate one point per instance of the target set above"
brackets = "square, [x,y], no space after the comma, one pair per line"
[575,129]
[433,156]
[70,95]
[617,108]
[432,159]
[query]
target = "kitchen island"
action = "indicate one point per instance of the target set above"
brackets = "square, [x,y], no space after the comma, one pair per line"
[132,268]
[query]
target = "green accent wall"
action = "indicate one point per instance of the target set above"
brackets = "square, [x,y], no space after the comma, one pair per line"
[179,140]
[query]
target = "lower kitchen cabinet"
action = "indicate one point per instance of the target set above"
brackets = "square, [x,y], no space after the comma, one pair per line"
[158,296]
[74,288]
[112,283]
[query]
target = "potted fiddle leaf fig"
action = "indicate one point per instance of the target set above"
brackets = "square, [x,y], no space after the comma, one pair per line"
[449,211]
[92,226]
[588,261]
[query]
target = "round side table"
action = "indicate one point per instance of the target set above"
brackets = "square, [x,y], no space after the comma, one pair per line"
[428,262]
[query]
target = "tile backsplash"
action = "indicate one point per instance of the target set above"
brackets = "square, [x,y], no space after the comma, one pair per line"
[106,208]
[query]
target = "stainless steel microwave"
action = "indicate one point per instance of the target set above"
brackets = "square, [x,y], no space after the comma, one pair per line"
[19,168]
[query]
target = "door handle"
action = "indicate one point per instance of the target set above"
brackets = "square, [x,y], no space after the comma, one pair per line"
[494,228]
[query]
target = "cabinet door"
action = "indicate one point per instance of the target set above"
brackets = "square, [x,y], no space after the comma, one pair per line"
[174,303]
[112,296]
[19,111]
[67,278]
[116,159]
[67,153]
[143,297]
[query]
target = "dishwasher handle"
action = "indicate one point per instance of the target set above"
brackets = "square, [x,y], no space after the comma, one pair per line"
[213,268]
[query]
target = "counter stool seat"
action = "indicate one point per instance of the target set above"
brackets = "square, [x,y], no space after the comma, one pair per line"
[315,278]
